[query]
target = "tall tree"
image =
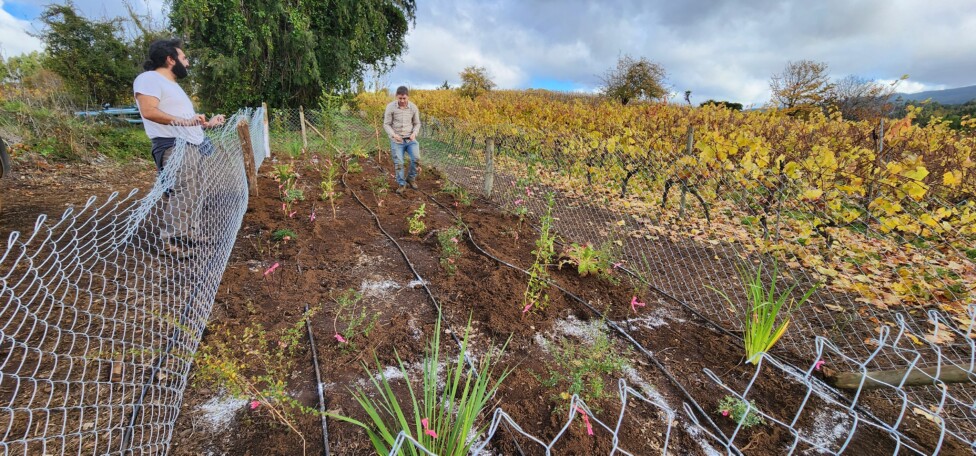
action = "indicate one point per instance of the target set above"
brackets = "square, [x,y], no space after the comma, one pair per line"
[802,84]
[91,56]
[475,81]
[287,52]
[861,99]
[635,79]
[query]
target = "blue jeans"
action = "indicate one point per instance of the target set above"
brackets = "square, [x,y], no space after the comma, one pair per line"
[398,149]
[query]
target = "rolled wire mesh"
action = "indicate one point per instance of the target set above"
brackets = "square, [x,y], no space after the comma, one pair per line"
[102,310]
[681,255]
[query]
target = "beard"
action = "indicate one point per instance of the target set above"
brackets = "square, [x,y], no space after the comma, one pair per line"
[179,70]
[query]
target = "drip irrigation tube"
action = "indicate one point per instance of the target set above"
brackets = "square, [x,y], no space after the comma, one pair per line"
[318,383]
[423,283]
[837,395]
[608,322]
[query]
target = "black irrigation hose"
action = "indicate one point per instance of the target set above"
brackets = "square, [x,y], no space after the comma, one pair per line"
[423,283]
[609,323]
[420,279]
[318,383]
[837,395]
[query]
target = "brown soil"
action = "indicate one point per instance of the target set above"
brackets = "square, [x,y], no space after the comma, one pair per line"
[350,251]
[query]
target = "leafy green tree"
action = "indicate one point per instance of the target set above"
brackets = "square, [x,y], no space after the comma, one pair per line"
[635,79]
[475,81]
[724,104]
[90,56]
[286,52]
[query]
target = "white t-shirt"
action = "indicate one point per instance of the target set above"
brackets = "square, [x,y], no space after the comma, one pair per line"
[173,101]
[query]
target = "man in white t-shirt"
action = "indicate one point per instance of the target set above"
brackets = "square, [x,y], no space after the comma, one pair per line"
[167,115]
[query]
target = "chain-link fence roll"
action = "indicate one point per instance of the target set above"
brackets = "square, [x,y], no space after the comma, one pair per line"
[699,238]
[102,310]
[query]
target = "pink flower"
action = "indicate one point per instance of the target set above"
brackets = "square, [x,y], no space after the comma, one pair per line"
[284,208]
[292,214]
[450,260]
[634,304]
[311,217]
[427,429]
[528,191]
[818,365]
[518,202]
[617,265]
[586,420]
[255,404]
[454,240]
[271,269]
[339,337]
[725,413]
[527,307]
[286,238]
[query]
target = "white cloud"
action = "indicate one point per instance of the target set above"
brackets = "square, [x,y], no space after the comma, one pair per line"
[722,50]
[14,37]
[725,50]
[910,86]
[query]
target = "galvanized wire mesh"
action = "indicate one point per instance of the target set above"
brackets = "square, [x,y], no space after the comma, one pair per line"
[681,254]
[898,342]
[502,426]
[102,310]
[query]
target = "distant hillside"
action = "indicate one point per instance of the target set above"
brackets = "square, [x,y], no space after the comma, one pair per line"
[958,95]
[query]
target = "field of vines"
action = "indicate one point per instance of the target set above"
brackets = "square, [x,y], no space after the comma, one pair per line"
[882,210]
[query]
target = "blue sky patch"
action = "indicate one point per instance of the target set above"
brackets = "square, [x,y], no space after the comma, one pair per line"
[22,11]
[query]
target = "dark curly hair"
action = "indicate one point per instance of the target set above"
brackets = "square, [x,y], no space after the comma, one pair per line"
[159,50]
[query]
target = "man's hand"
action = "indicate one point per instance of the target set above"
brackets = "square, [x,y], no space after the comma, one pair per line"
[215,121]
[397,138]
[413,137]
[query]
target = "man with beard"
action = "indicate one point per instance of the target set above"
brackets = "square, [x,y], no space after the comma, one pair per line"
[167,115]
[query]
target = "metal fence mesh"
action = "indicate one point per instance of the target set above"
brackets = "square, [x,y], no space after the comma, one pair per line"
[680,253]
[101,312]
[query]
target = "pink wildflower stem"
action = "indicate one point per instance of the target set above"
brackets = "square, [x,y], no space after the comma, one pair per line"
[586,420]
[271,269]
[634,304]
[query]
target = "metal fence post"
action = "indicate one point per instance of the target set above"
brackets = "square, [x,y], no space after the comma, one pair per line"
[267,132]
[301,118]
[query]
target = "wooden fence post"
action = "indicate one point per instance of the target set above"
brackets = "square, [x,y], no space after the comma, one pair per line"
[684,185]
[489,166]
[301,116]
[881,379]
[244,133]
[267,132]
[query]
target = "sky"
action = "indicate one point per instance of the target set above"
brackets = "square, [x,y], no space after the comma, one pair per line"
[723,50]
